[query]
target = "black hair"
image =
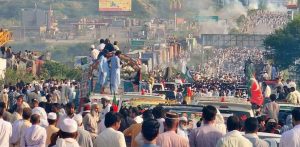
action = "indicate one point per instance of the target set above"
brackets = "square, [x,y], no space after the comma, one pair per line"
[70,105]
[261,119]
[111,118]
[273,97]
[209,113]
[35,119]
[292,89]
[147,115]
[2,108]
[102,41]
[198,124]
[158,112]
[233,123]
[296,114]
[150,129]
[124,112]
[26,113]
[251,125]
[51,121]
[171,119]
[135,110]
[118,53]
[67,135]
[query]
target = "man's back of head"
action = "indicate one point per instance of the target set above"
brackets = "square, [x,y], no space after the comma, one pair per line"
[150,129]
[35,119]
[233,123]
[26,113]
[251,125]
[209,113]
[296,116]
[171,121]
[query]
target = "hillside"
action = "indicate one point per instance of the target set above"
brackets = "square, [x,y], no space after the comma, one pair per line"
[10,10]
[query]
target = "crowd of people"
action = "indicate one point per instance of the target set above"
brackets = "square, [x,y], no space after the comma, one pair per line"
[61,126]
[267,20]
[224,72]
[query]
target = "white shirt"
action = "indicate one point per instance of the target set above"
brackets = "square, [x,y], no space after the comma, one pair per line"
[67,142]
[182,133]
[234,139]
[161,125]
[291,138]
[110,138]
[5,133]
[105,110]
[35,136]
[43,116]
[101,46]
[138,119]
[94,54]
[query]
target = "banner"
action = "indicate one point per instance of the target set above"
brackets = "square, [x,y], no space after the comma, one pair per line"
[114,5]
[292,4]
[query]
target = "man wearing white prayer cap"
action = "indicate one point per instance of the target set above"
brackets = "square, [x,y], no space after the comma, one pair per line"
[51,129]
[84,138]
[68,134]
[35,135]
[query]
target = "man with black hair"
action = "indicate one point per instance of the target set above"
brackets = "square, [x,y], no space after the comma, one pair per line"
[271,109]
[233,138]
[291,138]
[150,130]
[70,113]
[207,135]
[135,115]
[20,103]
[101,46]
[5,128]
[170,138]
[19,127]
[34,135]
[251,129]
[135,129]
[159,114]
[293,97]
[111,137]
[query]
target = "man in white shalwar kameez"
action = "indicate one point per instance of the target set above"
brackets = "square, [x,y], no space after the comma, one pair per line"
[34,136]
[115,73]
[19,127]
[5,128]
[103,71]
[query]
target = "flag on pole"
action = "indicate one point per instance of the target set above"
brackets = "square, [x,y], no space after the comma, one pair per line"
[188,76]
[115,103]
[256,96]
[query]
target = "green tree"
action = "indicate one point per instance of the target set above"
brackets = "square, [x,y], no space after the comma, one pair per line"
[12,76]
[285,44]
[59,71]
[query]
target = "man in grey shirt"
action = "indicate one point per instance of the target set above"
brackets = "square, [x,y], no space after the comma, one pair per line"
[251,129]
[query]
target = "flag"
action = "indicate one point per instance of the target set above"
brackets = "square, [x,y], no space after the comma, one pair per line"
[254,89]
[115,103]
[188,76]
[256,96]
